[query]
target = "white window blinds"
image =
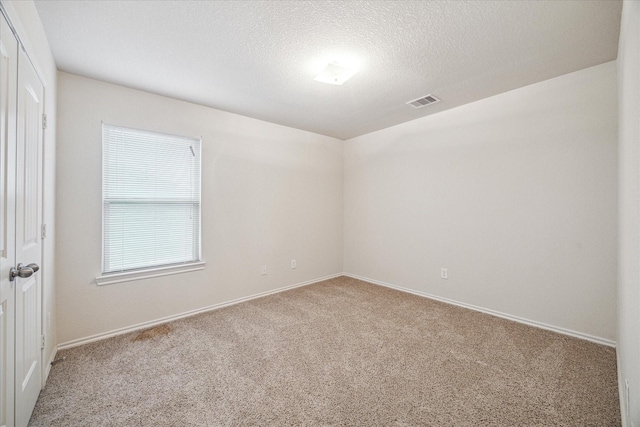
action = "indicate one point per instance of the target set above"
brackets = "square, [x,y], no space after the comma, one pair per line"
[151,199]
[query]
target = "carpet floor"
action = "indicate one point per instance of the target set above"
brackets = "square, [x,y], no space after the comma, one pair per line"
[340,352]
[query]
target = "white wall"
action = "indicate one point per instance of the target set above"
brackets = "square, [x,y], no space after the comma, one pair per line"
[629,213]
[514,194]
[269,194]
[25,18]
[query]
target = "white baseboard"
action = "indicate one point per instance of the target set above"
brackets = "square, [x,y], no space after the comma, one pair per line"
[540,325]
[144,325]
[47,368]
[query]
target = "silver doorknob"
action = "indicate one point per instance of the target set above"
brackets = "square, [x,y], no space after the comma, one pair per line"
[23,271]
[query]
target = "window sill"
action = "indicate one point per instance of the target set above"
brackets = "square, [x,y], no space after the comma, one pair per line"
[109,279]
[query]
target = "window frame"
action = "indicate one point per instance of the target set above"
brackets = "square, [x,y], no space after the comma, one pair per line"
[106,278]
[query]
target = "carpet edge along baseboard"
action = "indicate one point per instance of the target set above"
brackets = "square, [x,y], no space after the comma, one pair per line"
[155,322]
[529,322]
[125,330]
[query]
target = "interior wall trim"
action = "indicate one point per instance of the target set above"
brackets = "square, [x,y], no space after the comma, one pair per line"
[17,30]
[151,323]
[557,329]
[47,368]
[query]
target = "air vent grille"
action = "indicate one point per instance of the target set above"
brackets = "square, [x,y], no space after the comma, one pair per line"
[421,102]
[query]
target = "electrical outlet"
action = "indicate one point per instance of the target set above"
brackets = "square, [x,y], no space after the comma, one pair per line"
[293,263]
[264,270]
[444,273]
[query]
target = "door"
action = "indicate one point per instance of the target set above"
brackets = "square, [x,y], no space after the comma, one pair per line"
[21,107]
[28,341]
[8,79]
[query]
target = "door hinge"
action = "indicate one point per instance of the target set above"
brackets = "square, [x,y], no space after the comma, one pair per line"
[43,231]
[44,121]
[44,342]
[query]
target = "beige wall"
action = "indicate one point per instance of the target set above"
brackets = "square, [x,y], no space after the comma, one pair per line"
[514,194]
[25,18]
[629,213]
[269,194]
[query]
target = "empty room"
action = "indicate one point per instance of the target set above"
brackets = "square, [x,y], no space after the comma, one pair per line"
[305,212]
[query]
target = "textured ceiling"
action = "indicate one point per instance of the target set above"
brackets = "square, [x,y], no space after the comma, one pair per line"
[259,58]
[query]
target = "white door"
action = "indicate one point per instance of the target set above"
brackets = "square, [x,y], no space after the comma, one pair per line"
[28,372]
[8,79]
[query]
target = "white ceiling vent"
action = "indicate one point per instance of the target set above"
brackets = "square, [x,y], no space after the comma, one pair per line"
[421,102]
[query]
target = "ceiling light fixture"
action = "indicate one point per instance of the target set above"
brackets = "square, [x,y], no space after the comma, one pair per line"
[336,74]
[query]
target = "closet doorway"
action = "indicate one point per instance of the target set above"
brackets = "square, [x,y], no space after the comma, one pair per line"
[21,109]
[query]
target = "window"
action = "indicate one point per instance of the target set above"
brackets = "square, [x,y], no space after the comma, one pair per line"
[150,200]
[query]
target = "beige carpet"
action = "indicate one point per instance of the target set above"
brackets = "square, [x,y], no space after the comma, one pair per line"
[339,352]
